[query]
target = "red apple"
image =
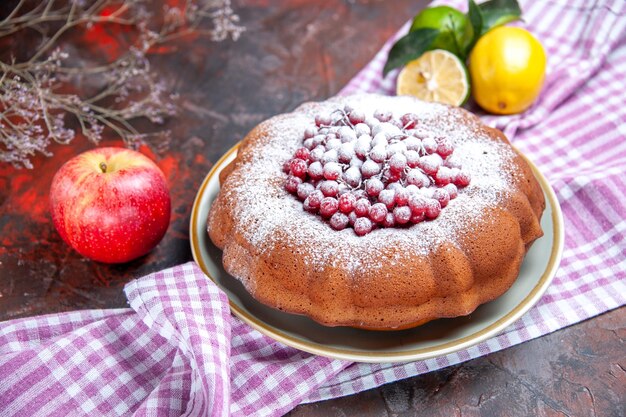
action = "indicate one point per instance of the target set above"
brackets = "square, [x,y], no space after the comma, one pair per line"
[110,204]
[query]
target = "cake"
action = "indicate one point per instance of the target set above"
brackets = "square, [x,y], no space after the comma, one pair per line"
[439,214]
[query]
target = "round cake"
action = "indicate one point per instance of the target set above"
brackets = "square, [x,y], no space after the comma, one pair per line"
[376,212]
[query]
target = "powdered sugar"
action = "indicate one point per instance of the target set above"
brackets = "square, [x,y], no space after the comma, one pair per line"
[264,211]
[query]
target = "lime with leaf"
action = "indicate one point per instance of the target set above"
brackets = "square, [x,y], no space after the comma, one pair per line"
[443,27]
[433,57]
[455,29]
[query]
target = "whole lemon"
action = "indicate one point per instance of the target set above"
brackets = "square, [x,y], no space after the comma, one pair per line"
[507,67]
[455,30]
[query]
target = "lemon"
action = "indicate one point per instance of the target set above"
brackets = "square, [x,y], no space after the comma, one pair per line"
[437,75]
[507,67]
[454,27]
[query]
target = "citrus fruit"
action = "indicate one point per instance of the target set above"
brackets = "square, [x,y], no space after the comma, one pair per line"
[455,29]
[507,67]
[435,76]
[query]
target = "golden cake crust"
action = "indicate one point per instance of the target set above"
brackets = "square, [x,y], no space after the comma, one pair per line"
[391,278]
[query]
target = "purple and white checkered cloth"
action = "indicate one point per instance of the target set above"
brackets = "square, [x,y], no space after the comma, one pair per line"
[178,350]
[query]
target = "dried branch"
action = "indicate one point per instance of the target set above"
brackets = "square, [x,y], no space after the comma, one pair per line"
[38,98]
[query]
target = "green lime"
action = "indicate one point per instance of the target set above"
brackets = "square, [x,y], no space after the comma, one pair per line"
[438,76]
[456,29]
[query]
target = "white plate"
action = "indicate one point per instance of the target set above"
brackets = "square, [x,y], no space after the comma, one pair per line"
[433,339]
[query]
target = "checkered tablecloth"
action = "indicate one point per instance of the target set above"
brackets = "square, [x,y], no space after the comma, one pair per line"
[178,351]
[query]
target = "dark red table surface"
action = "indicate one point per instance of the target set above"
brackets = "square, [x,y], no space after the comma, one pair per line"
[292,51]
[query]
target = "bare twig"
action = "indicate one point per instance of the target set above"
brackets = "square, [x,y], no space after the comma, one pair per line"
[35,107]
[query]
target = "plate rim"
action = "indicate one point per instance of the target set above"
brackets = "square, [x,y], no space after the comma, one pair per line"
[405,355]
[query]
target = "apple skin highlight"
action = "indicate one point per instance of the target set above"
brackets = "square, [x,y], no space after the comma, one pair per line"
[111,205]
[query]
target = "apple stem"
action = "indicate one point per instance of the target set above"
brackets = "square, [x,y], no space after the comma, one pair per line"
[103,167]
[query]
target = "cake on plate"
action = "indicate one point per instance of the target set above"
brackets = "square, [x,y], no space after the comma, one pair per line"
[376,212]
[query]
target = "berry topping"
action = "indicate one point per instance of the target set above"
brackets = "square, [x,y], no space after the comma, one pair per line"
[323,120]
[368,171]
[346,152]
[452,162]
[371,122]
[329,188]
[390,220]
[315,199]
[339,221]
[306,204]
[362,226]
[387,197]
[378,153]
[356,117]
[394,147]
[412,158]
[392,177]
[356,162]
[417,218]
[402,214]
[418,178]
[413,144]
[302,153]
[409,120]
[370,168]
[401,196]
[381,139]
[373,187]
[332,142]
[362,207]
[441,195]
[378,212]
[452,190]
[352,176]
[362,146]
[383,115]
[412,189]
[429,144]
[304,189]
[317,153]
[397,162]
[352,218]
[346,202]
[417,204]
[346,134]
[443,176]
[332,171]
[430,163]
[462,179]
[292,183]
[330,156]
[362,129]
[433,208]
[316,170]
[329,206]
[445,148]
[388,128]
[298,168]
[310,131]
[287,166]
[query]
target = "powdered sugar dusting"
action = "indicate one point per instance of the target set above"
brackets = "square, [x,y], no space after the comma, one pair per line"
[265,211]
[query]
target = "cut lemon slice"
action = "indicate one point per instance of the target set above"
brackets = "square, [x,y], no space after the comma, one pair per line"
[435,76]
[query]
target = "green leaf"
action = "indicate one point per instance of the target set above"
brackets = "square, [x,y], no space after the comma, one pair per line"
[410,47]
[475,16]
[498,12]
